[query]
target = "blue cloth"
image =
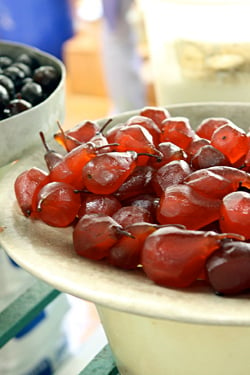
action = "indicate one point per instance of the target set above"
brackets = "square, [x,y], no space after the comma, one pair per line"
[44,24]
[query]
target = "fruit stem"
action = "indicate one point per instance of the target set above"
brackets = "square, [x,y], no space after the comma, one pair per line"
[44,141]
[105,125]
[63,135]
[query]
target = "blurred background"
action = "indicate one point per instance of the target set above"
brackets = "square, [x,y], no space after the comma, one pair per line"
[119,56]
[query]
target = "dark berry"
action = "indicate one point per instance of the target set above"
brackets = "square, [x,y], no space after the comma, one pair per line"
[47,76]
[8,84]
[32,92]
[16,75]
[16,106]
[4,98]
[28,59]
[5,61]
[24,67]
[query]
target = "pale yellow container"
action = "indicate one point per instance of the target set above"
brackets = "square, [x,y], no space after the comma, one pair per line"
[199,49]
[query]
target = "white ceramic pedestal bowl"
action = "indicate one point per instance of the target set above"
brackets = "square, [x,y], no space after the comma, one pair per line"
[152,330]
[20,132]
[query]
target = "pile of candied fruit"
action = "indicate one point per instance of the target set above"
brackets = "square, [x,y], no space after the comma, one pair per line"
[24,83]
[153,193]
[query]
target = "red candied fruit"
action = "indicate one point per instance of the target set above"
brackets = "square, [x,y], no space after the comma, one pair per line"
[157,114]
[231,141]
[169,152]
[126,253]
[183,205]
[235,213]
[26,186]
[178,131]
[207,127]
[98,204]
[128,215]
[208,156]
[170,174]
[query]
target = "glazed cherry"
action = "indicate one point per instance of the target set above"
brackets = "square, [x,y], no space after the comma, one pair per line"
[170,174]
[134,138]
[147,201]
[207,127]
[69,170]
[194,147]
[180,204]
[178,131]
[98,204]
[228,268]
[157,114]
[128,215]
[175,257]
[208,156]
[94,235]
[148,124]
[51,157]
[169,152]
[26,185]
[231,141]
[58,204]
[126,253]
[105,173]
[235,213]
[138,182]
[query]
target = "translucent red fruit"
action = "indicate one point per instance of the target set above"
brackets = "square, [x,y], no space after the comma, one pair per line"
[105,173]
[178,131]
[98,204]
[83,132]
[235,176]
[183,205]
[133,138]
[169,152]
[148,124]
[235,213]
[58,204]
[138,182]
[128,215]
[208,156]
[25,186]
[51,157]
[94,235]
[210,184]
[194,147]
[69,170]
[170,174]
[147,201]
[157,114]
[228,269]
[206,128]
[231,141]
[175,257]
[126,253]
